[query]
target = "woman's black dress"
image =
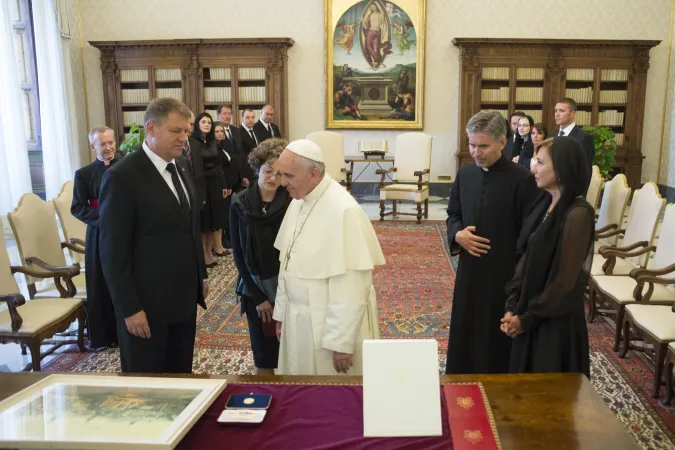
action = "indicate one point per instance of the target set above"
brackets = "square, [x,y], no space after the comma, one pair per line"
[526,152]
[214,215]
[547,293]
[254,226]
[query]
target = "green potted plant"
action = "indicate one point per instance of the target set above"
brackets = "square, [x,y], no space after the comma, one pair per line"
[605,148]
[132,140]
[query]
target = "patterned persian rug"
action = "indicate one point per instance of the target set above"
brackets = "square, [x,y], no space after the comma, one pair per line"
[415,297]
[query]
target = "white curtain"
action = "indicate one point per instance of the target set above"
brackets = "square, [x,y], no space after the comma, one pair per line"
[55,114]
[14,170]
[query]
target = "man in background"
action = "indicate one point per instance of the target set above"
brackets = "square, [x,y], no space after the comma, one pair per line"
[565,117]
[101,322]
[511,138]
[249,140]
[233,141]
[264,128]
[151,248]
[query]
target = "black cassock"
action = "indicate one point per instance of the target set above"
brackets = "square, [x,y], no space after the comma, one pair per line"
[495,202]
[102,324]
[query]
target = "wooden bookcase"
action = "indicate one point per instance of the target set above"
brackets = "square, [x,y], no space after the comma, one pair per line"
[203,73]
[608,79]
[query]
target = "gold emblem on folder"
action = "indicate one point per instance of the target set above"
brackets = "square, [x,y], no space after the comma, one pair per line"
[465,402]
[249,401]
[473,436]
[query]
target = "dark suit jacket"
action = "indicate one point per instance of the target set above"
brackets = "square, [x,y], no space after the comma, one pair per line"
[197,168]
[151,254]
[508,149]
[585,139]
[262,133]
[247,143]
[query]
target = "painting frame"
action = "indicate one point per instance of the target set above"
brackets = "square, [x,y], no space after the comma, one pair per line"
[388,111]
[141,397]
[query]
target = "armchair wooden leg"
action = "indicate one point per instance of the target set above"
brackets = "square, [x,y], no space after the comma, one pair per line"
[620,312]
[34,347]
[659,361]
[381,210]
[626,337]
[393,211]
[419,212]
[669,382]
[426,208]
[592,299]
[80,329]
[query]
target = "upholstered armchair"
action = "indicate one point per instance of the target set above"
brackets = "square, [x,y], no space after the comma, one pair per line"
[612,210]
[409,175]
[594,189]
[30,323]
[37,238]
[332,145]
[74,230]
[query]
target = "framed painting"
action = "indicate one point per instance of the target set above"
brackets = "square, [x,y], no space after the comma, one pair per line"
[375,63]
[105,412]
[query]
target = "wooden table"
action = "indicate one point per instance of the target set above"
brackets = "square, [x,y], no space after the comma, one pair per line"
[532,411]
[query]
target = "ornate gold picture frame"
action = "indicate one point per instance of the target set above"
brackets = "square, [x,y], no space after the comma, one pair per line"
[375,63]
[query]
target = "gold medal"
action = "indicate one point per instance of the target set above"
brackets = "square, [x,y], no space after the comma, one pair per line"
[249,401]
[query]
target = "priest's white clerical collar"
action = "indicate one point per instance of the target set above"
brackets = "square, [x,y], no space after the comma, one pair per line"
[318,190]
[485,169]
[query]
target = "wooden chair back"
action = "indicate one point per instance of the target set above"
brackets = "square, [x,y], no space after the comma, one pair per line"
[643,218]
[594,189]
[413,154]
[332,145]
[8,284]
[613,207]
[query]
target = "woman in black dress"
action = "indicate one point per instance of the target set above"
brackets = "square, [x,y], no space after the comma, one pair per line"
[255,217]
[545,306]
[213,213]
[523,148]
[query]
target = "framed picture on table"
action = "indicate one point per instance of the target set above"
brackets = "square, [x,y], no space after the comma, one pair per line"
[105,412]
[375,54]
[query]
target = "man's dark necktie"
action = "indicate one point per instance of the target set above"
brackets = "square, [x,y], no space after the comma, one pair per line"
[250,131]
[271,131]
[229,136]
[562,133]
[184,205]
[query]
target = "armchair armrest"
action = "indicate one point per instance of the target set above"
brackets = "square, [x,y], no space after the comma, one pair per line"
[640,272]
[13,302]
[606,228]
[420,174]
[607,234]
[64,271]
[73,247]
[607,250]
[76,241]
[647,278]
[384,173]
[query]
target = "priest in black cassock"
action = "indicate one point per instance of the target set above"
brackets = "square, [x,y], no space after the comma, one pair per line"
[101,323]
[487,204]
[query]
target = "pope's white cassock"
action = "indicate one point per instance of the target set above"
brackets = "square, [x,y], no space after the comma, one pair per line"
[325,297]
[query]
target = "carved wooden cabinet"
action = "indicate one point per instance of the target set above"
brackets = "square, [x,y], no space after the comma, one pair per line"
[608,79]
[203,73]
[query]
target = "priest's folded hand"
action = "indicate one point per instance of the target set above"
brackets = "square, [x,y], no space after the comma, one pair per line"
[138,325]
[514,328]
[342,362]
[265,311]
[473,244]
[504,327]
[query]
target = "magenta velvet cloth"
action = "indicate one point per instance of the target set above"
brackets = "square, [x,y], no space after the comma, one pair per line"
[303,417]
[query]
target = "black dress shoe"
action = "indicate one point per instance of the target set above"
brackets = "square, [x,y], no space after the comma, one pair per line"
[220,255]
[212,265]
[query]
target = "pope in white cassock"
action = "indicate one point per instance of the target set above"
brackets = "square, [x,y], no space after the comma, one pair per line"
[325,305]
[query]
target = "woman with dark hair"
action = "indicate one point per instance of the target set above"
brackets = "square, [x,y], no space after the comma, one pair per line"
[523,149]
[545,306]
[538,135]
[255,217]
[213,213]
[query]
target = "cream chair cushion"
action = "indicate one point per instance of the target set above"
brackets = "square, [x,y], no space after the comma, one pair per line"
[593,194]
[413,153]
[47,289]
[657,320]
[40,314]
[72,227]
[643,217]
[621,289]
[400,191]
[613,205]
[622,267]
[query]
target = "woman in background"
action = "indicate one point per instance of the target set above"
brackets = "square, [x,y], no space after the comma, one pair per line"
[234,184]
[523,149]
[213,213]
[538,135]
[255,217]
[545,303]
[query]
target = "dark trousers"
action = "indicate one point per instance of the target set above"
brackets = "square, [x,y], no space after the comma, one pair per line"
[265,348]
[169,349]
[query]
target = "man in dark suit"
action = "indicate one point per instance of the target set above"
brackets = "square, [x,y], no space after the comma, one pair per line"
[565,114]
[233,141]
[514,119]
[264,128]
[101,322]
[249,140]
[150,246]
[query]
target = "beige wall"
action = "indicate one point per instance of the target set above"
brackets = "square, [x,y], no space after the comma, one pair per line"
[302,20]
